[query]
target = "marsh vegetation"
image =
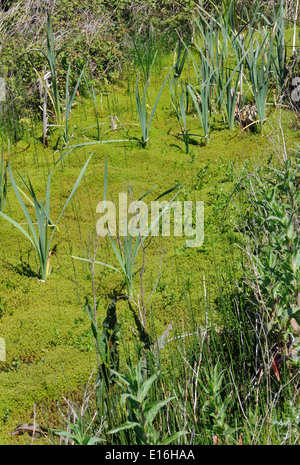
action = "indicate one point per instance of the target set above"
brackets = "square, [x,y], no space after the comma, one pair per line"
[127,339]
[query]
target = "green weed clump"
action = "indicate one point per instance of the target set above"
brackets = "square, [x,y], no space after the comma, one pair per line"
[274,196]
[41,239]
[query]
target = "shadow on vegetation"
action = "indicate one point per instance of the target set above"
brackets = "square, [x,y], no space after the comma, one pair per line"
[25,269]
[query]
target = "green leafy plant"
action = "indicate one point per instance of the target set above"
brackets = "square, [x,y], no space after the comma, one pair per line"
[279,259]
[216,405]
[78,434]
[146,53]
[41,238]
[259,61]
[62,114]
[127,254]
[179,108]
[181,55]
[280,55]
[275,254]
[145,123]
[231,99]
[51,58]
[141,411]
[69,102]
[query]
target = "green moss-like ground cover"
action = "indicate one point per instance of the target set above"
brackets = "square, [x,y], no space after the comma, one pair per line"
[50,349]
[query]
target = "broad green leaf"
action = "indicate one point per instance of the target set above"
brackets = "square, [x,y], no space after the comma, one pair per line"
[72,193]
[173,438]
[126,425]
[147,385]
[152,409]
[22,204]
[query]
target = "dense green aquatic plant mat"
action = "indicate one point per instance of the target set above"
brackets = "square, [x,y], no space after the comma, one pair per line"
[49,341]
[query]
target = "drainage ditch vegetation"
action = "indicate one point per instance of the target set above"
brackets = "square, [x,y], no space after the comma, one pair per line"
[180,325]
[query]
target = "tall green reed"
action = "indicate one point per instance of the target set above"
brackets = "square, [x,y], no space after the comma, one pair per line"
[179,106]
[93,99]
[51,58]
[202,97]
[280,54]
[146,53]
[178,67]
[41,238]
[182,117]
[69,100]
[145,123]
[231,89]
[208,69]
[126,254]
[259,62]
[61,112]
